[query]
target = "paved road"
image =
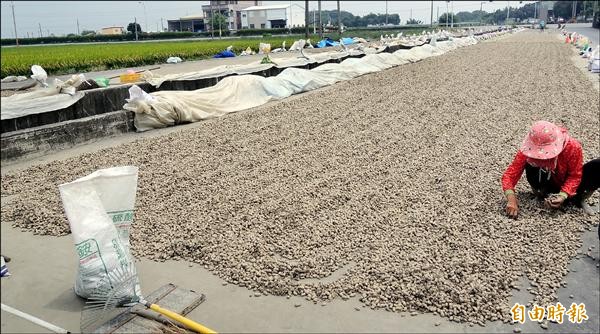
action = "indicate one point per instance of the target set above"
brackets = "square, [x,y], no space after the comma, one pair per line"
[585,29]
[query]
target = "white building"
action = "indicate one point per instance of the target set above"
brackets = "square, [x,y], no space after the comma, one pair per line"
[231,9]
[273,16]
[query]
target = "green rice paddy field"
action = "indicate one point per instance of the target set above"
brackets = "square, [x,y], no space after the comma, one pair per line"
[75,58]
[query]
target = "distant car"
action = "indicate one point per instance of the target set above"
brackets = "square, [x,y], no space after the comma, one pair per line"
[561,20]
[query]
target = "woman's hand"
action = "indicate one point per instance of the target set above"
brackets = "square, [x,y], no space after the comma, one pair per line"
[555,201]
[512,208]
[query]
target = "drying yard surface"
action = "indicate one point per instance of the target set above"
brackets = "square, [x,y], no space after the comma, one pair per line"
[384,187]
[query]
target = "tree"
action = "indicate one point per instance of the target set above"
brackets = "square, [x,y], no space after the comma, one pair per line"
[394,19]
[131,27]
[523,13]
[88,32]
[562,9]
[414,21]
[350,20]
[469,16]
[218,22]
[442,18]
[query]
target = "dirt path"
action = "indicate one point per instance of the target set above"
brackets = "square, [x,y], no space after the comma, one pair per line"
[395,173]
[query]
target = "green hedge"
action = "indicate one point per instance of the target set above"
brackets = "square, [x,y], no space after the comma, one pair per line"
[105,38]
[278,31]
[146,36]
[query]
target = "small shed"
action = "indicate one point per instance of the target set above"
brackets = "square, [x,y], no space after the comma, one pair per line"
[192,23]
[111,31]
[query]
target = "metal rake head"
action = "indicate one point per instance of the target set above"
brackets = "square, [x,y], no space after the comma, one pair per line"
[115,293]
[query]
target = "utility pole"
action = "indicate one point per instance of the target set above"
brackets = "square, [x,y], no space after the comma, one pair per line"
[431,18]
[411,14]
[447,14]
[135,27]
[386,12]
[314,22]
[211,22]
[320,21]
[480,12]
[339,18]
[306,19]
[437,16]
[507,12]
[574,11]
[40,27]
[452,12]
[145,14]
[12,5]
[78,26]
[162,26]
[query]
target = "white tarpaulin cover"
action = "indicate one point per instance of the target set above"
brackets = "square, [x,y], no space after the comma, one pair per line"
[235,93]
[293,60]
[36,102]
[58,96]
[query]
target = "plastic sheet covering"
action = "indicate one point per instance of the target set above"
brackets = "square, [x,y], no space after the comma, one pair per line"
[281,62]
[58,96]
[219,71]
[36,102]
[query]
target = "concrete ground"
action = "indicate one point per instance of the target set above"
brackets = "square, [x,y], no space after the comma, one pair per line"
[43,272]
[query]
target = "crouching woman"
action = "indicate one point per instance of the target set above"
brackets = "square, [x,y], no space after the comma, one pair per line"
[553,164]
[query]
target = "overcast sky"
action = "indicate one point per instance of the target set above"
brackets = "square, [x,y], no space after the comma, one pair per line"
[60,17]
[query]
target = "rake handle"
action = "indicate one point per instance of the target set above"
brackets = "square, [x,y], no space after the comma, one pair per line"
[185,321]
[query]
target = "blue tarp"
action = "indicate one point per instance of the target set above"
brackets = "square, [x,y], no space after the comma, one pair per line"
[224,54]
[347,40]
[329,42]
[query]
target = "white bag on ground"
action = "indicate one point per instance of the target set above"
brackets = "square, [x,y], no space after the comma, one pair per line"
[174,60]
[39,74]
[99,208]
[264,48]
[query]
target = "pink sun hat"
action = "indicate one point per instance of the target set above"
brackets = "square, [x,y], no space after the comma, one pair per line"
[544,141]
